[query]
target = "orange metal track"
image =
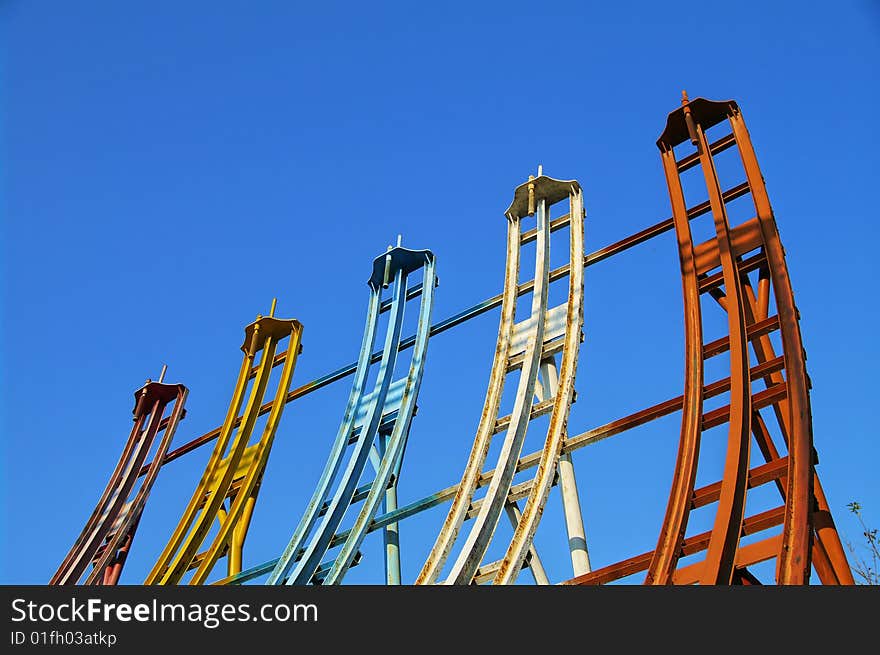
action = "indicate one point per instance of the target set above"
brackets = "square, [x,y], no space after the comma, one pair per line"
[720,268]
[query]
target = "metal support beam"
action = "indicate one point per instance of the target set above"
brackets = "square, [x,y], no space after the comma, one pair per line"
[571,504]
[534,562]
[391,532]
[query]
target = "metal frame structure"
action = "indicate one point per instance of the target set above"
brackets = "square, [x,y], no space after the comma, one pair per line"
[530,347]
[741,269]
[720,268]
[237,475]
[107,536]
[386,412]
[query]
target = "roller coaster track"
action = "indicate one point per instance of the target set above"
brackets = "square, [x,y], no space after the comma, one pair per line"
[741,269]
[237,475]
[720,267]
[527,346]
[108,534]
[385,412]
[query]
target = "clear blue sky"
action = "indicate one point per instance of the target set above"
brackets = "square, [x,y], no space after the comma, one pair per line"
[208,156]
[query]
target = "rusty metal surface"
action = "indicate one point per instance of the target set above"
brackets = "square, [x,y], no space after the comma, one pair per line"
[465,490]
[717,270]
[672,532]
[723,544]
[516,424]
[520,346]
[478,309]
[808,534]
[107,536]
[527,524]
[739,275]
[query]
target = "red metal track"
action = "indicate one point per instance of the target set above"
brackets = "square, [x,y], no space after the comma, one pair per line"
[106,538]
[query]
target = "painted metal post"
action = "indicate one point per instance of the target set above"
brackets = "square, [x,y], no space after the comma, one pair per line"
[535,566]
[571,504]
[391,532]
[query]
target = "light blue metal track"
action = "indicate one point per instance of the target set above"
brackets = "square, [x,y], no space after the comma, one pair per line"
[393,451]
[334,461]
[390,405]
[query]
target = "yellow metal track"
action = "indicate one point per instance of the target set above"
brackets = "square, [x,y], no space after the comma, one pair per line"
[238,474]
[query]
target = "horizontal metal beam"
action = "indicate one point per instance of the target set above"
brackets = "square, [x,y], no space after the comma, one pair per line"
[690,546]
[692,160]
[469,313]
[570,444]
[555,225]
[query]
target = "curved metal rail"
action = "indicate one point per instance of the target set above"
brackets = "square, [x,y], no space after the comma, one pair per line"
[524,346]
[386,411]
[107,536]
[561,391]
[827,555]
[720,268]
[236,476]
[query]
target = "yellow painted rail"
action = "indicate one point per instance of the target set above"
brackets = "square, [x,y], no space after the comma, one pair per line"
[234,475]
